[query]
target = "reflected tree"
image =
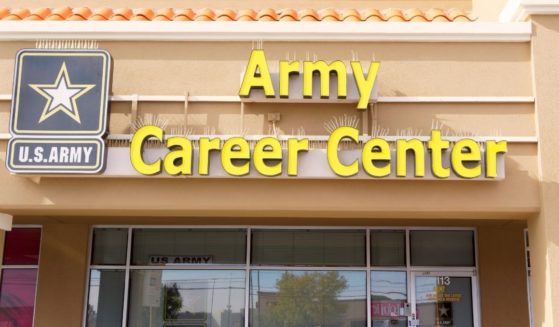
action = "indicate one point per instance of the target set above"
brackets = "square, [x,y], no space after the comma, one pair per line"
[91,315]
[173,301]
[308,300]
[12,309]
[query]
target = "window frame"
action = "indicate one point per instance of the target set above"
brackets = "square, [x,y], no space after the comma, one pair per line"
[15,267]
[248,267]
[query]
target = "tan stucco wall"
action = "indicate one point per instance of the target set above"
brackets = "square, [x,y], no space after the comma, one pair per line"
[67,205]
[502,278]
[239,4]
[515,197]
[503,286]
[62,271]
[487,11]
[544,230]
[205,68]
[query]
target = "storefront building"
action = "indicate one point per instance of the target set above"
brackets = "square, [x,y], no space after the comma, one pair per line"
[283,167]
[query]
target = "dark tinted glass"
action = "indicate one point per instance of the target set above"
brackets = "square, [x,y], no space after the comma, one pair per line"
[188,246]
[388,248]
[106,298]
[308,247]
[22,246]
[109,246]
[442,248]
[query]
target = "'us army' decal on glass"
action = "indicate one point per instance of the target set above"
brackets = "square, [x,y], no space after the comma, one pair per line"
[59,111]
[60,93]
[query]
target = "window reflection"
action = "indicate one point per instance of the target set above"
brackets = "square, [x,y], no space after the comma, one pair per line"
[308,298]
[17,297]
[106,297]
[196,298]
[389,296]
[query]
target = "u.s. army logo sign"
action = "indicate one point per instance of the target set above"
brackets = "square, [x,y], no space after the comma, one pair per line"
[59,111]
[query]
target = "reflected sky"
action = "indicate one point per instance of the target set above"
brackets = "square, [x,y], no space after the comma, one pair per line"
[390,284]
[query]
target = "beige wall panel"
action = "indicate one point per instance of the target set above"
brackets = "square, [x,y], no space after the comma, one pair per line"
[4,122]
[62,271]
[488,10]
[544,231]
[489,119]
[295,117]
[470,119]
[407,69]
[119,117]
[8,52]
[252,3]
[517,195]
[502,275]
[225,118]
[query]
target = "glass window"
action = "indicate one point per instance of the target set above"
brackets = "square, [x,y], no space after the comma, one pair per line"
[388,298]
[188,246]
[187,298]
[309,247]
[17,285]
[17,297]
[308,298]
[106,298]
[109,246]
[21,246]
[442,248]
[444,301]
[388,248]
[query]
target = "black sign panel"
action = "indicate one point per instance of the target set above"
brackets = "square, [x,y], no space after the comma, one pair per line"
[60,93]
[33,155]
[59,111]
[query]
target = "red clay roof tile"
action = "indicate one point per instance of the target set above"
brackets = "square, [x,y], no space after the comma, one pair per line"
[267,15]
[4,12]
[39,14]
[264,15]
[436,14]
[226,15]
[308,15]
[184,15]
[81,14]
[350,15]
[372,15]
[143,14]
[205,14]
[122,14]
[246,15]
[57,14]
[165,14]
[18,14]
[102,14]
[288,15]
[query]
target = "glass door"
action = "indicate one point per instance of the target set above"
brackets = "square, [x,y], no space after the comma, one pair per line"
[444,299]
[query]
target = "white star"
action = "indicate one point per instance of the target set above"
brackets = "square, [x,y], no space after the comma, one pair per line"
[443,311]
[61,95]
